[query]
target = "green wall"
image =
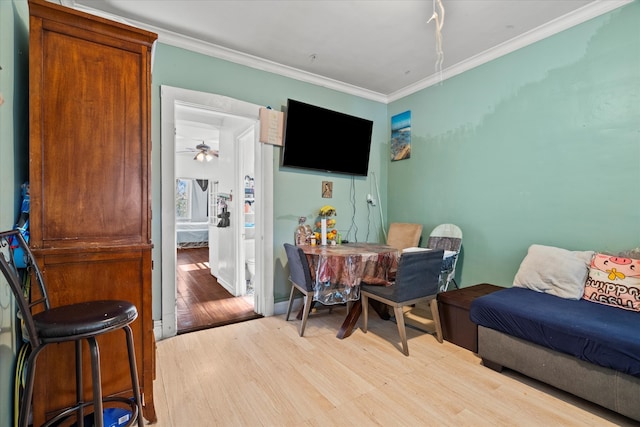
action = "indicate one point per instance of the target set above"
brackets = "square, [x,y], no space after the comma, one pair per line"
[539,146]
[296,193]
[14,119]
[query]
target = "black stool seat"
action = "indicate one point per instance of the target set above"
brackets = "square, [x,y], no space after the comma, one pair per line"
[76,321]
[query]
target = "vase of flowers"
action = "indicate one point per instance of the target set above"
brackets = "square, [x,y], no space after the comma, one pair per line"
[326,222]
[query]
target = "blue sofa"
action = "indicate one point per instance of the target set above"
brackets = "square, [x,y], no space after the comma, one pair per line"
[585,348]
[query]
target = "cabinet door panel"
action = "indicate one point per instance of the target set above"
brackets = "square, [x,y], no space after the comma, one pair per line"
[92,148]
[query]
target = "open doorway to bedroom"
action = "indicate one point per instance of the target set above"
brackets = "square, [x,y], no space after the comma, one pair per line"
[201,302]
[211,159]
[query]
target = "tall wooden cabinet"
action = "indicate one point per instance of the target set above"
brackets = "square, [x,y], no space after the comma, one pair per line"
[90,184]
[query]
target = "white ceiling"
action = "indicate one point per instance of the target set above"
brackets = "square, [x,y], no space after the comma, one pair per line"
[196,125]
[377,49]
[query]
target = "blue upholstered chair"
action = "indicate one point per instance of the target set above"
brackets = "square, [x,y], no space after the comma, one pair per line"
[416,280]
[300,278]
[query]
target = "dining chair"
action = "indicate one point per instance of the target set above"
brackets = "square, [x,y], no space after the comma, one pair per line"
[449,238]
[43,325]
[300,278]
[404,235]
[416,281]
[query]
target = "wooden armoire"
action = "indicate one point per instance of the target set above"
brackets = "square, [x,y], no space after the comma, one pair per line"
[90,219]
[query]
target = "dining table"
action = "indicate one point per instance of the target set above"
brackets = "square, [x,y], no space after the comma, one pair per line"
[338,270]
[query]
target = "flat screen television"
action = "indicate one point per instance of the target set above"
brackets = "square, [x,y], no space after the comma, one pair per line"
[325,140]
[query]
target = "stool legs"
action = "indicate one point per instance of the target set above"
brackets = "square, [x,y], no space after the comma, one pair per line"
[25,404]
[98,417]
[98,406]
[79,381]
[134,373]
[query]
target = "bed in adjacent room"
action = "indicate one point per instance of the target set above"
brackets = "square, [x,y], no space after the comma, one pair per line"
[192,234]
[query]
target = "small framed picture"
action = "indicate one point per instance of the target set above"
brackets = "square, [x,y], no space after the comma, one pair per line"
[401,136]
[327,189]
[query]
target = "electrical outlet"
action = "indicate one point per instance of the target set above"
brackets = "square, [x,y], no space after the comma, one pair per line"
[371,200]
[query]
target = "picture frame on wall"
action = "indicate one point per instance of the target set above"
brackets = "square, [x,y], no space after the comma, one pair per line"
[401,136]
[327,189]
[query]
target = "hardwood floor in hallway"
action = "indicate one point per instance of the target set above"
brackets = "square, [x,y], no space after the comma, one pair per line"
[202,302]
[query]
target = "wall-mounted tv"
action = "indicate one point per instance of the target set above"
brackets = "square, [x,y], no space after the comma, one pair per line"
[320,139]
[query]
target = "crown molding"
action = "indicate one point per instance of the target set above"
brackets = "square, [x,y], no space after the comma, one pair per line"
[199,46]
[585,13]
[560,24]
[205,48]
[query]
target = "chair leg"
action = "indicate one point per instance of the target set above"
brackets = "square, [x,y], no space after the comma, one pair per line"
[308,302]
[435,313]
[401,329]
[98,418]
[79,384]
[98,411]
[293,290]
[27,394]
[134,373]
[365,312]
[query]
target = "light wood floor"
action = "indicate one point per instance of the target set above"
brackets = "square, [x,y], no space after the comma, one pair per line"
[261,373]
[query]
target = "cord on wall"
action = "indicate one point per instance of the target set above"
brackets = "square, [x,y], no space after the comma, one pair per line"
[352,197]
[375,182]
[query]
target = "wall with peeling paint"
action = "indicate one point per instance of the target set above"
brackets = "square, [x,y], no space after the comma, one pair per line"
[539,146]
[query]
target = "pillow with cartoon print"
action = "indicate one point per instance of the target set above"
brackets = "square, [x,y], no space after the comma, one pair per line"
[554,271]
[615,281]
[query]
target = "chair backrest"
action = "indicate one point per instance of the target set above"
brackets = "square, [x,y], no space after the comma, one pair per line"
[418,275]
[404,235]
[299,272]
[25,280]
[447,237]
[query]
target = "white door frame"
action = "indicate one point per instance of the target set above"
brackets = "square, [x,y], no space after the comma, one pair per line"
[263,303]
[241,256]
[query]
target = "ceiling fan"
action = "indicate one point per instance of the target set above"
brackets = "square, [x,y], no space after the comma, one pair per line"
[203,152]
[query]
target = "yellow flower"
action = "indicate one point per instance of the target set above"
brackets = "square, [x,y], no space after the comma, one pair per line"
[327,210]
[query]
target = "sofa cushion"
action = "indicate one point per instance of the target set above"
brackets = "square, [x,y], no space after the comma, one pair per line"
[595,333]
[614,281]
[554,271]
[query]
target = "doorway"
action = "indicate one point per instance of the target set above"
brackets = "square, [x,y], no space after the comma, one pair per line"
[233,276]
[201,302]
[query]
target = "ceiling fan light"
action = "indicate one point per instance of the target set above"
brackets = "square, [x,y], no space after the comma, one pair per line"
[199,157]
[208,157]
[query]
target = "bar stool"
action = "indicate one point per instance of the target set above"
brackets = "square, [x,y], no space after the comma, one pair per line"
[74,322]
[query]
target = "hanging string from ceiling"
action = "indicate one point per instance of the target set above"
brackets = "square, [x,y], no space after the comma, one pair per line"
[439,21]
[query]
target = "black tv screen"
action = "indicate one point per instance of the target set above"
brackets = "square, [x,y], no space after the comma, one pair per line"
[320,139]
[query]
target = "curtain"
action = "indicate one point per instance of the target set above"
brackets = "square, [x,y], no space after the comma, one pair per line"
[200,200]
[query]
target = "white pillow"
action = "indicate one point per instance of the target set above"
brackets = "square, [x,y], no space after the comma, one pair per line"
[554,271]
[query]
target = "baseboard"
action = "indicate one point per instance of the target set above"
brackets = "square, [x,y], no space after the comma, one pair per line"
[157,329]
[280,307]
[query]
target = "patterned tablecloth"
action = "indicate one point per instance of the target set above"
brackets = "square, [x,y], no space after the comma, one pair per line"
[338,270]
